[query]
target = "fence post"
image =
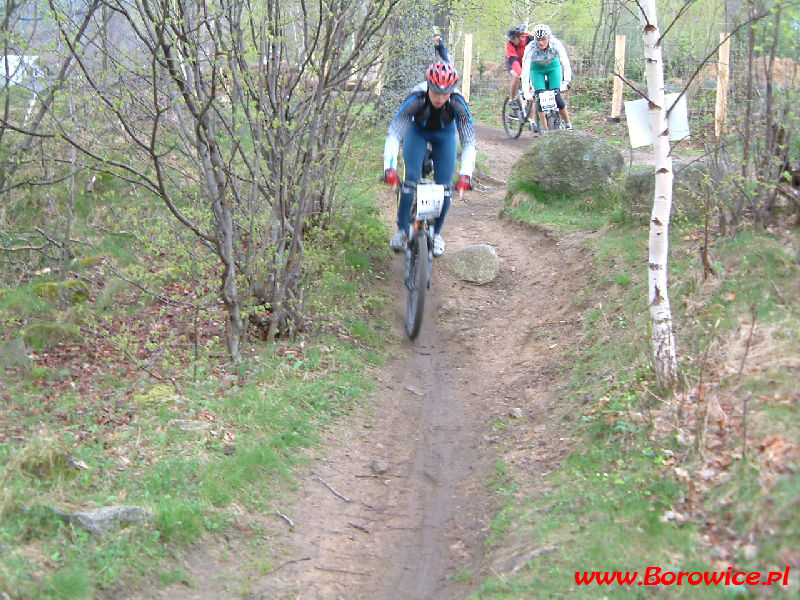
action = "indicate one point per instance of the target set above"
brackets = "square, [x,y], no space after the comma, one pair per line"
[467,72]
[619,73]
[723,71]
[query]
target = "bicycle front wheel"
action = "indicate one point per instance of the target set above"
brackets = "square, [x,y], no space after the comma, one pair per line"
[512,123]
[417,282]
[554,120]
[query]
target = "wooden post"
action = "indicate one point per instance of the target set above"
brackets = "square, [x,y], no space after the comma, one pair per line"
[466,73]
[723,72]
[619,72]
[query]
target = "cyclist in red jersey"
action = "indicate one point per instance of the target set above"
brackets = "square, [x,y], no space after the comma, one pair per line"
[518,40]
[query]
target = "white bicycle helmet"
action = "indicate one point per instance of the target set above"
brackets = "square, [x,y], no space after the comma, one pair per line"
[541,31]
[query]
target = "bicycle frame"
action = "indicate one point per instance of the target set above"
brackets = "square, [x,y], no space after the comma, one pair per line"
[513,123]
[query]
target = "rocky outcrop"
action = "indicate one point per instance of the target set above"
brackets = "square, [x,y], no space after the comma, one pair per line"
[567,162]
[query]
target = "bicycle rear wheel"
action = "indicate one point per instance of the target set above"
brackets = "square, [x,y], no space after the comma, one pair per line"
[512,124]
[417,282]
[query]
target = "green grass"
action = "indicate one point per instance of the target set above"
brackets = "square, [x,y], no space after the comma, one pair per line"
[562,212]
[605,508]
[257,420]
[188,480]
[486,108]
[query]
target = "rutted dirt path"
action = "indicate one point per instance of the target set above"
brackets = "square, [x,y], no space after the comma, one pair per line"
[487,354]
[484,351]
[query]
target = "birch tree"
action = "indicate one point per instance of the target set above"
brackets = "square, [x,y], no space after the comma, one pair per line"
[664,358]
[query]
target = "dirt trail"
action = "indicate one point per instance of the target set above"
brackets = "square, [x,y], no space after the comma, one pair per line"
[416,531]
[484,351]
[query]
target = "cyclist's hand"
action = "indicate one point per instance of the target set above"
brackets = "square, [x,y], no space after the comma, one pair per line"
[390,177]
[565,86]
[464,184]
[528,94]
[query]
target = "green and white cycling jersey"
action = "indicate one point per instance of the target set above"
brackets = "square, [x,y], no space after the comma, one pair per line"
[552,61]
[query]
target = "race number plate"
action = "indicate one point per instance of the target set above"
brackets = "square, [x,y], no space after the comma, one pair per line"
[430,199]
[547,100]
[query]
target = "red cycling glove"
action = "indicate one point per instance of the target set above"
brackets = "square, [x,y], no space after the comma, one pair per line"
[390,177]
[464,183]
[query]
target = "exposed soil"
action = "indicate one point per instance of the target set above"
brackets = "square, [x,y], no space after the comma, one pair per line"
[487,355]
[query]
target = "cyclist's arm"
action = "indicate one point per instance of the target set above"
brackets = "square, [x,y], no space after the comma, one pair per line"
[566,69]
[422,86]
[512,60]
[525,84]
[466,134]
[441,50]
[398,128]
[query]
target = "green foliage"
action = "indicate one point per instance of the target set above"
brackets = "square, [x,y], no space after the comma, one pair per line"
[486,108]
[527,203]
[70,292]
[41,335]
[21,303]
[616,503]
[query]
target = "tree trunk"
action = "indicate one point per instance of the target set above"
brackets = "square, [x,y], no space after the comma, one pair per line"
[748,113]
[664,358]
[409,54]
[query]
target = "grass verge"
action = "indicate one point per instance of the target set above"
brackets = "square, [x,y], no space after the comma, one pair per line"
[703,480]
[139,408]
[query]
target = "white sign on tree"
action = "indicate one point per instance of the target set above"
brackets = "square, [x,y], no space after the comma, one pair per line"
[637,114]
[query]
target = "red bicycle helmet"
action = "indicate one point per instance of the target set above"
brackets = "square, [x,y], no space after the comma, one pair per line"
[442,77]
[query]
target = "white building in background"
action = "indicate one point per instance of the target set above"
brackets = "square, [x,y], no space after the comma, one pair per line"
[21,70]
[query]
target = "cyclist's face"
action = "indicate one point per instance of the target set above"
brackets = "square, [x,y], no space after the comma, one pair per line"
[438,99]
[543,42]
[516,40]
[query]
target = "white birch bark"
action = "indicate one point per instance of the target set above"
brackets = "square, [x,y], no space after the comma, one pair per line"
[665,361]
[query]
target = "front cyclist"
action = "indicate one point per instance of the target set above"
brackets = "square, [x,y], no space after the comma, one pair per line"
[432,115]
[547,58]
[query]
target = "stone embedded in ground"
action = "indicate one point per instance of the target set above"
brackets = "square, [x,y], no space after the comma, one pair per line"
[692,185]
[515,413]
[477,264]
[104,520]
[380,466]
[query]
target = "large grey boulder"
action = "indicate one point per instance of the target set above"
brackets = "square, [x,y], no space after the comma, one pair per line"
[693,185]
[476,264]
[567,162]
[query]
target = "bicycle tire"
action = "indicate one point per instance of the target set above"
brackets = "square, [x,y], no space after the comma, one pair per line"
[554,121]
[513,127]
[417,283]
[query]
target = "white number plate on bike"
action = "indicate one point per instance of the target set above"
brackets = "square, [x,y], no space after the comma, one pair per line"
[430,199]
[547,100]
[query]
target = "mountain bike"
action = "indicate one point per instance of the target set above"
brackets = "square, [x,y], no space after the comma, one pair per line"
[515,119]
[427,206]
[549,106]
